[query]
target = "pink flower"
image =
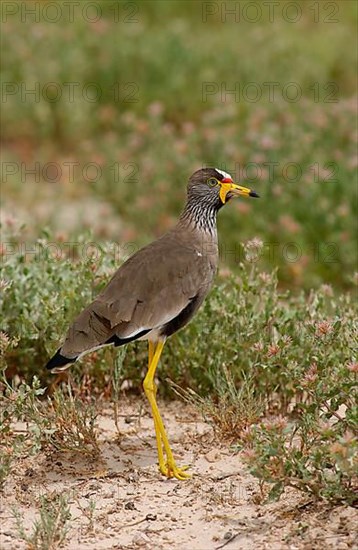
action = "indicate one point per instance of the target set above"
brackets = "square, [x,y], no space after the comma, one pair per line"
[327,290]
[268,142]
[311,375]
[258,346]
[289,223]
[156,108]
[353,367]
[286,340]
[249,455]
[273,350]
[323,328]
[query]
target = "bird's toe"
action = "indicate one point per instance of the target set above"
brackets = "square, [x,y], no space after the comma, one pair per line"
[172,470]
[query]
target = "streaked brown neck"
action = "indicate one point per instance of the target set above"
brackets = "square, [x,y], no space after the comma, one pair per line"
[199,216]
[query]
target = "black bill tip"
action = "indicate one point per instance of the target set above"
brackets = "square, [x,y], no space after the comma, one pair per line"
[254,194]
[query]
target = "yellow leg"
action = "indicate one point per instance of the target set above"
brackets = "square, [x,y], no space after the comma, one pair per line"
[151,351]
[167,466]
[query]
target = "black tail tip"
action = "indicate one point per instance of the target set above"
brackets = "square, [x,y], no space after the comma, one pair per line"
[59,362]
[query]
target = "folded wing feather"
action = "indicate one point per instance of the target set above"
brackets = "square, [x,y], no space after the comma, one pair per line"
[147,291]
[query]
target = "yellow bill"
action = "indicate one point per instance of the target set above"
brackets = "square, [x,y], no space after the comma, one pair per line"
[236,190]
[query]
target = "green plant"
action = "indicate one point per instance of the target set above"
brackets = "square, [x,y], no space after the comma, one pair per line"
[73,423]
[313,448]
[17,404]
[267,346]
[313,455]
[50,529]
[294,355]
[231,409]
[62,423]
[89,513]
[116,383]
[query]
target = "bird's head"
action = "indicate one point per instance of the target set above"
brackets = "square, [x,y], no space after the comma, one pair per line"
[215,187]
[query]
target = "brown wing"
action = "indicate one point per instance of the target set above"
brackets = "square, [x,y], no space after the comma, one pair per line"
[147,291]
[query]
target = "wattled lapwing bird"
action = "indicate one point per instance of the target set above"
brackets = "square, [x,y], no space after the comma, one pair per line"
[157,291]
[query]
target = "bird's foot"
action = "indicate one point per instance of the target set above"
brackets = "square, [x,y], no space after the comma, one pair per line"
[170,469]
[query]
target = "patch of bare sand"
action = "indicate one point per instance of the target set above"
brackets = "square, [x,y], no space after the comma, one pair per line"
[135,507]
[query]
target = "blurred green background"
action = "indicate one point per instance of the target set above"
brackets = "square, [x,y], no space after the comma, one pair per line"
[129,98]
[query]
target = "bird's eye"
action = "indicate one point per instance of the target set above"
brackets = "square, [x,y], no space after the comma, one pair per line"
[212,182]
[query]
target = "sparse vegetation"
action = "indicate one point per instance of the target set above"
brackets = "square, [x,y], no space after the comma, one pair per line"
[273,355]
[50,529]
[271,358]
[60,424]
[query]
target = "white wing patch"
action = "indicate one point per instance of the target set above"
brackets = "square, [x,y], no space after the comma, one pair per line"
[224,174]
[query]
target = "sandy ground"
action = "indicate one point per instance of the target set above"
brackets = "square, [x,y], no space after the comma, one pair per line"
[135,507]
